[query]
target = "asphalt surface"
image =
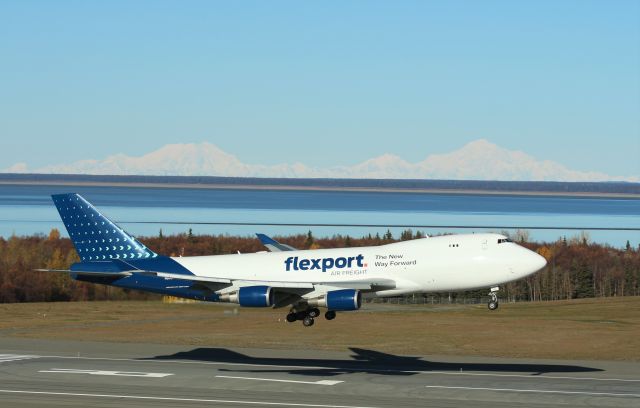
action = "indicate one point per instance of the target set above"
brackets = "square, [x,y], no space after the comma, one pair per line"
[37,373]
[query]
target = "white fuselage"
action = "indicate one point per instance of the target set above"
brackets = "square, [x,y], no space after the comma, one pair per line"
[444,263]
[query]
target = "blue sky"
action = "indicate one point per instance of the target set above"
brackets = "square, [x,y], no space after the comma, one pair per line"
[332,82]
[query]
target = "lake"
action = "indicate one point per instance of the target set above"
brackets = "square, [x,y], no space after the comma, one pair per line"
[28,209]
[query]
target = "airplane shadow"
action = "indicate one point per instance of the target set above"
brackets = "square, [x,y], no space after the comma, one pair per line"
[363,361]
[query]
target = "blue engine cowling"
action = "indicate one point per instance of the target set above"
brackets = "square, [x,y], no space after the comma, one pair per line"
[256,296]
[345,299]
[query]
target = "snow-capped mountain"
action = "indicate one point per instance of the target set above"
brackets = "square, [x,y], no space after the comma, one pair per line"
[477,160]
[483,160]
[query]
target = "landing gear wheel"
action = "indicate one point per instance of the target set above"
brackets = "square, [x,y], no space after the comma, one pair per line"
[315,312]
[308,321]
[493,303]
[291,317]
[330,315]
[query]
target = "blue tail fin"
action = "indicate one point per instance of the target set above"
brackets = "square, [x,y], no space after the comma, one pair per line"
[94,236]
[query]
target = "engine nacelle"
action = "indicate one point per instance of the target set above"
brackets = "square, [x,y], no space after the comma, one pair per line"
[344,299]
[251,296]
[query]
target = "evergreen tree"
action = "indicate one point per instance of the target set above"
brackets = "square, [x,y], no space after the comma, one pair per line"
[347,242]
[309,241]
[406,235]
[583,280]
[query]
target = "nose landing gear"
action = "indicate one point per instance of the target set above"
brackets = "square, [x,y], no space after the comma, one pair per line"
[493,303]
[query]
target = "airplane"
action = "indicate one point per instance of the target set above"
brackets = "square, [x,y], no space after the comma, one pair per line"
[303,280]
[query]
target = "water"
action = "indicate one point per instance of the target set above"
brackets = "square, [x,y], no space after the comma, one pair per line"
[26,210]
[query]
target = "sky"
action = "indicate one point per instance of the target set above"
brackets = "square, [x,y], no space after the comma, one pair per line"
[323,83]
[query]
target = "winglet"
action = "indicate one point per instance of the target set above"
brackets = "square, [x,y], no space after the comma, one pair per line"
[272,245]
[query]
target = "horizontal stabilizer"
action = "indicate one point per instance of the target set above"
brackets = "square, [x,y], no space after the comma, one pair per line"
[88,273]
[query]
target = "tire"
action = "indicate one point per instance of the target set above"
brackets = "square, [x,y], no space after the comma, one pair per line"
[492,305]
[315,312]
[330,315]
[308,321]
[291,317]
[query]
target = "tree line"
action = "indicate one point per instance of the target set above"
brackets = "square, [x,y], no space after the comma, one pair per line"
[576,267]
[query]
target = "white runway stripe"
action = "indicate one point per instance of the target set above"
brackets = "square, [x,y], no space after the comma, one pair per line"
[181,400]
[598,394]
[320,382]
[105,372]
[5,358]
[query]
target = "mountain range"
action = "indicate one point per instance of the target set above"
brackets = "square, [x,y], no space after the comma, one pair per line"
[477,160]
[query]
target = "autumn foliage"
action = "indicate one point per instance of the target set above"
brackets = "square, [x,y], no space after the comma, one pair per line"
[576,268]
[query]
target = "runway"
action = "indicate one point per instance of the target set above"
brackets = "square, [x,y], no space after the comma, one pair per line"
[36,373]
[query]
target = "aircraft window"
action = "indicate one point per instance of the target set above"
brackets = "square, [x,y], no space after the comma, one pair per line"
[501,240]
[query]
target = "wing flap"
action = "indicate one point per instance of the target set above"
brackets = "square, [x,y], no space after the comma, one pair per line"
[370,284]
[275,284]
[185,277]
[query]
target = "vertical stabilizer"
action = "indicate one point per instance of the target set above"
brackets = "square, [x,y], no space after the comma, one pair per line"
[95,237]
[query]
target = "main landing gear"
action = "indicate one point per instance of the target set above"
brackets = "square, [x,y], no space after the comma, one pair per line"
[493,303]
[308,316]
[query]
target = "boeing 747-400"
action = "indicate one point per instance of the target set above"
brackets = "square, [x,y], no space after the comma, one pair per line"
[303,280]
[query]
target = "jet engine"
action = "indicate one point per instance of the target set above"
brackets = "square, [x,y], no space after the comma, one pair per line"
[344,299]
[251,296]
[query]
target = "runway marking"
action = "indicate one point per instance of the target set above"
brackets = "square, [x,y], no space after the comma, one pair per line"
[142,397]
[6,358]
[599,394]
[320,382]
[529,376]
[197,362]
[105,372]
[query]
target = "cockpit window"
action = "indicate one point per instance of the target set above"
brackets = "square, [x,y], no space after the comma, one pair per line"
[501,240]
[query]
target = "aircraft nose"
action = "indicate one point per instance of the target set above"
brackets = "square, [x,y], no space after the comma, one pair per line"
[527,263]
[535,262]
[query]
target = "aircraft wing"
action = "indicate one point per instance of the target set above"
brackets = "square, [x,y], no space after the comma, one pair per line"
[295,287]
[272,245]
[361,284]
